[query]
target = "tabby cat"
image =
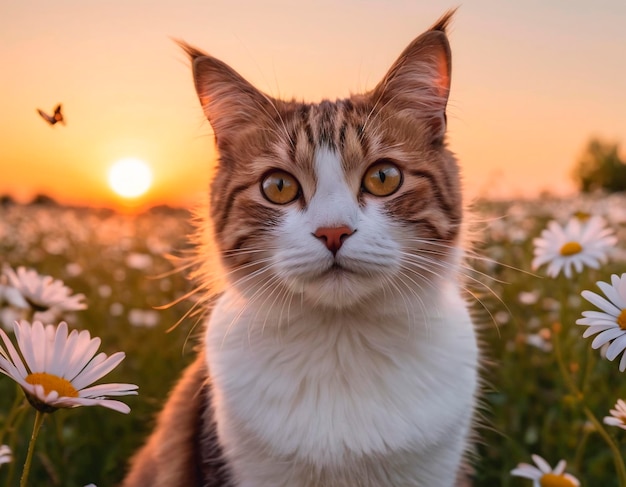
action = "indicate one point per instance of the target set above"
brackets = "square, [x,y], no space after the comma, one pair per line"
[340,351]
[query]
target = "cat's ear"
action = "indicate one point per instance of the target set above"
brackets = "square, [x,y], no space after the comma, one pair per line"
[230,103]
[419,80]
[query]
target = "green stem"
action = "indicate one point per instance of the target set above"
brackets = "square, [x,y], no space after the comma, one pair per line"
[590,362]
[14,431]
[31,448]
[18,406]
[580,449]
[617,456]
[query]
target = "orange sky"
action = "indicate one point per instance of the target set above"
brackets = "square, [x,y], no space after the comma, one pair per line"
[532,81]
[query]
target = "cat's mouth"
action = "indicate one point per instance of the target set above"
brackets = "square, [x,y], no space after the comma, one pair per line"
[336,269]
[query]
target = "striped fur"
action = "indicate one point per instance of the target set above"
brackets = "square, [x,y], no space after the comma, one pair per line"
[378,305]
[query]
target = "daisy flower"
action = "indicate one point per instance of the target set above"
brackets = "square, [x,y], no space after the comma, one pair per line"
[574,246]
[43,293]
[545,476]
[55,368]
[11,296]
[609,324]
[618,415]
[5,454]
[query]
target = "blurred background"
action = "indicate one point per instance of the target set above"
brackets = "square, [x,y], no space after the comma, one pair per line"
[533,82]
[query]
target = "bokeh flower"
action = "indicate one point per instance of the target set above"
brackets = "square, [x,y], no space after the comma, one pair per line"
[5,454]
[618,415]
[55,368]
[543,475]
[12,304]
[11,296]
[609,324]
[574,246]
[46,296]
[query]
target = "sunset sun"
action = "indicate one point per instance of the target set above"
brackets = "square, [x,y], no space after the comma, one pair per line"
[130,177]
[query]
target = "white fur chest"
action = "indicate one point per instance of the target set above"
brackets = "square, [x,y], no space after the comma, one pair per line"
[343,399]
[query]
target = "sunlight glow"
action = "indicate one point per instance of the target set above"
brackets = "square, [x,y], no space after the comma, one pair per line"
[130,177]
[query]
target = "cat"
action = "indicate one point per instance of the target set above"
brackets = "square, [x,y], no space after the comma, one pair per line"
[340,351]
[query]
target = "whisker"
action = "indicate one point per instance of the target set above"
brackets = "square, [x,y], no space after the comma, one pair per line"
[248,303]
[419,261]
[470,254]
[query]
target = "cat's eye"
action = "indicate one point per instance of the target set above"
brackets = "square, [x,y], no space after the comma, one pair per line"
[382,178]
[280,187]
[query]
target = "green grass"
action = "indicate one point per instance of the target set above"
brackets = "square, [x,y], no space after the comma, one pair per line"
[526,406]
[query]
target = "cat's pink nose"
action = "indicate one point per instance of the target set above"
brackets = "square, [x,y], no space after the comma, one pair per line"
[333,237]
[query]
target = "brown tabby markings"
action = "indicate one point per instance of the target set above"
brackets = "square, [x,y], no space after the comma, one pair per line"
[429,197]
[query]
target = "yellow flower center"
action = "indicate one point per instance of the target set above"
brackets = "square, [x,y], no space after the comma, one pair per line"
[52,383]
[582,216]
[554,480]
[571,248]
[621,319]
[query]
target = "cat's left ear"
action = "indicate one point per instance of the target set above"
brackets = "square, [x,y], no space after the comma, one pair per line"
[419,80]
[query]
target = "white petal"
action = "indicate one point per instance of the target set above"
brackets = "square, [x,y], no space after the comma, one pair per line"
[68,351]
[589,260]
[601,315]
[84,352]
[622,363]
[579,261]
[592,330]
[112,389]
[541,259]
[597,322]
[606,336]
[611,421]
[92,374]
[22,331]
[541,463]
[526,471]
[8,369]
[554,268]
[38,337]
[560,467]
[611,293]
[601,303]
[620,285]
[616,347]
[53,364]
[107,403]
[15,358]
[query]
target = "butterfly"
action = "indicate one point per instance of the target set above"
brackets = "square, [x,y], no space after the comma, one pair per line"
[57,116]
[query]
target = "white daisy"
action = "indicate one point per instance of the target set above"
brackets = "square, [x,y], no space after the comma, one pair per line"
[57,368]
[44,293]
[577,245]
[618,415]
[610,323]
[545,476]
[11,296]
[5,454]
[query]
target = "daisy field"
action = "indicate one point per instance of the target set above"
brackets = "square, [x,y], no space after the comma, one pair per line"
[530,419]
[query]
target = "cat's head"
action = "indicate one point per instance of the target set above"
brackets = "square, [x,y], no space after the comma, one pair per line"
[335,201]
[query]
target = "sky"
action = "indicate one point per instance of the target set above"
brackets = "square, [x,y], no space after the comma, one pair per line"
[532,82]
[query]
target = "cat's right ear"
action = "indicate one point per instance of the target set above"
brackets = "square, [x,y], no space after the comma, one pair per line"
[230,103]
[419,81]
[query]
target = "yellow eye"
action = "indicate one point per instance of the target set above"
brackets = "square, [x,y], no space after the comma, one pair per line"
[382,178]
[280,187]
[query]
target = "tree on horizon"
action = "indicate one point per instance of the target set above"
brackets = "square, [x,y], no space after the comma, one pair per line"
[600,168]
